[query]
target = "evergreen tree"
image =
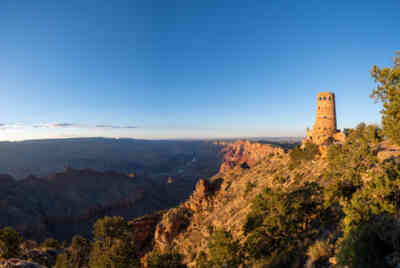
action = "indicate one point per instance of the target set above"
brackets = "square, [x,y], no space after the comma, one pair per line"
[387,91]
[166,260]
[113,245]
[10,241]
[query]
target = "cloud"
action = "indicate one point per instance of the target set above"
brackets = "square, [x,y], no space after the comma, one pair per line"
[113,126]
[56,125]
[10,126]
[63,125]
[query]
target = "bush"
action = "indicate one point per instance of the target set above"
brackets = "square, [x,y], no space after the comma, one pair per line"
[166,260]
[50,243]
[75,256]
[367,244]
[249,187]
[224,251]
[80,247]
[10,241]
[370,227]
[309,152]
[113,245]
[64,261]
[280,221]
[347,163]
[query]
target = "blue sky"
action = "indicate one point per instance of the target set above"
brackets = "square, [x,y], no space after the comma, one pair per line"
[187,69]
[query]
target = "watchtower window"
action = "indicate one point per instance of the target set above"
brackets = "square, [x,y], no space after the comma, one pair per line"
[329,98]
[320,98]
[324,98]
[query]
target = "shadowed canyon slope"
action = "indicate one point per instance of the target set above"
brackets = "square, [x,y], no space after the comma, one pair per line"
[72,185]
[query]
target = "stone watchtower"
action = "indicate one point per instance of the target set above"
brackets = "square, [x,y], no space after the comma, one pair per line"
[325,122]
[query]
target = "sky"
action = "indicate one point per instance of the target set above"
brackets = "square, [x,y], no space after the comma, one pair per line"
[159,69]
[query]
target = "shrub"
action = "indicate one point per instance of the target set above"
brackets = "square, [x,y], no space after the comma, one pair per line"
[249,187]
[224,251]
[279,221]
[10,241]
[113,245]
[50,243]
[370,227]
[367,244]
[347,162]
[63,261]
[309,152]
[80,248]
[166,260]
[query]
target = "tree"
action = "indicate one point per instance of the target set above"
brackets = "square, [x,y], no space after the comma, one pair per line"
[387,91]
[64,261]
[224,251]
[308,153]
[347,162]
[80,248]
[113,245]
[370,225]
[166,260]
[77,255]
[50,243]
[281,222]
[10,241]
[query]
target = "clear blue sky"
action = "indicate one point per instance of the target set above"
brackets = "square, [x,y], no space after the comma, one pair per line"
[187,68]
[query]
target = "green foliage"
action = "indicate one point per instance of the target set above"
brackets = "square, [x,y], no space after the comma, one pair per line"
[224,251]
[369,220]
[387,91]
[110,227]
[202,261]
[380,195]
[309,152]
[63,261]
[64,244]
[279,221]
[80,250]
[10,241]
[113,245]
[249,187]
[50,243]
[166,260]
[367,244]
[347,162]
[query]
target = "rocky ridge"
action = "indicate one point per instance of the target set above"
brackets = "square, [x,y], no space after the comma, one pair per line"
[246,153]
[225,200]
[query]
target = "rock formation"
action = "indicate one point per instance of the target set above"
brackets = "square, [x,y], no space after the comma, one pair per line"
[246,153]
[17,263]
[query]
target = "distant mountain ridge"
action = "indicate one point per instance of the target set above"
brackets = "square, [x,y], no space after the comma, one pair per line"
[44,157]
